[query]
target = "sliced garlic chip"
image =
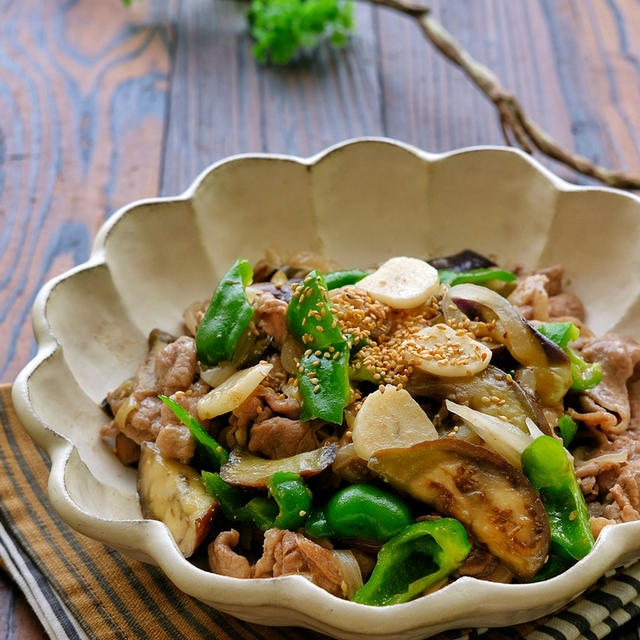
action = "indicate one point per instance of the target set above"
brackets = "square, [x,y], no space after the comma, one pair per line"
[443,351]
[233,391]
[390,419]
[402,283]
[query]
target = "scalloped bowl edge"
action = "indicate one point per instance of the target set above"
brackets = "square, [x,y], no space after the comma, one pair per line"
[293,600]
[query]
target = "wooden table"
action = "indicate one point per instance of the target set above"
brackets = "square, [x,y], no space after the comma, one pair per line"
[100,105]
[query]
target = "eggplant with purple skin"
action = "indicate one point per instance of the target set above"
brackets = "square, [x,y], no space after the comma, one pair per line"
[281,291]
[491,391]
[464,260]
[549,363]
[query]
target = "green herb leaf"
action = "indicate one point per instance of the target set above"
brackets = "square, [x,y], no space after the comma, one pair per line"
[213,454]
[282,28]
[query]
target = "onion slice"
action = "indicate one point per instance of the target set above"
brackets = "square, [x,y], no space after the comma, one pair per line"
[350,571]
[549,362]
[233,391]
[215,376]
[501,437]
[612,459]
[123,412]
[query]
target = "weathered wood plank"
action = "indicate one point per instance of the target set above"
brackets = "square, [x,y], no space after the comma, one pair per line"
[329,98]
[214,107]
[82,107]
[242,106]
[26,625]
[573,65]
[612,63]
[427,102]
[100,105]
[17,620]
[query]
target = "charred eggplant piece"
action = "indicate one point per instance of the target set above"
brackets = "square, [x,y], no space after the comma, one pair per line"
[462,261]
[127,450]
[174,494]
[281,291]
[246,470]
[492,499]
[491,391]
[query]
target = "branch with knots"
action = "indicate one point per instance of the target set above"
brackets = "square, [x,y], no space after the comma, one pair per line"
[516,125]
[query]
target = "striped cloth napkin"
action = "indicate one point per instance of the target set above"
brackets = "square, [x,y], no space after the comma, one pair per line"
[81,589]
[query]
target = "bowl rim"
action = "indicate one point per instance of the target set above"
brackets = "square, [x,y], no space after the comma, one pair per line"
[319,609]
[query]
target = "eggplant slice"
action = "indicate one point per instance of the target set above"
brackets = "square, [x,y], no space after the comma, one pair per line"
[492,499]
[173,493]
[491,391]
[464,260]
[243,469]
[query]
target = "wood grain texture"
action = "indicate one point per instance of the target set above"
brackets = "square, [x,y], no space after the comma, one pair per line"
[100,105]
[17,620]
[242,106]
[83,89]
[574,65]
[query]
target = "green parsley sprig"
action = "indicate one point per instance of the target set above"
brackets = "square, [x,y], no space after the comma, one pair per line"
[282,28]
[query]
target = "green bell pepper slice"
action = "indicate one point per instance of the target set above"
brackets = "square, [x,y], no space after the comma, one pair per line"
[568,429]
[323,383]
[261,511]
[323,370]
[232,500]
[292,497]
[309,315]
[554,566]
[474,276]
[286,507]
[562,333]
[212,454]
[235,504]
[421,556]
[227,317]
[585,375]
[337,279]
[317,525]
[361,511]
[548,468]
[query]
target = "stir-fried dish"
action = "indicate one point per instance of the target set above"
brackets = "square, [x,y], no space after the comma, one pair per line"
[384,432]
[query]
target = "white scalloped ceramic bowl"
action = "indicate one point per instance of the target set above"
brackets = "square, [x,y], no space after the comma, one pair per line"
[359,202]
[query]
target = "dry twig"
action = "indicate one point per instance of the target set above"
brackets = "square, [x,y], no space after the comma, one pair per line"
[514,122]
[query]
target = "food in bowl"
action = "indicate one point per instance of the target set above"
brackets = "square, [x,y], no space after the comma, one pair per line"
[383,433]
